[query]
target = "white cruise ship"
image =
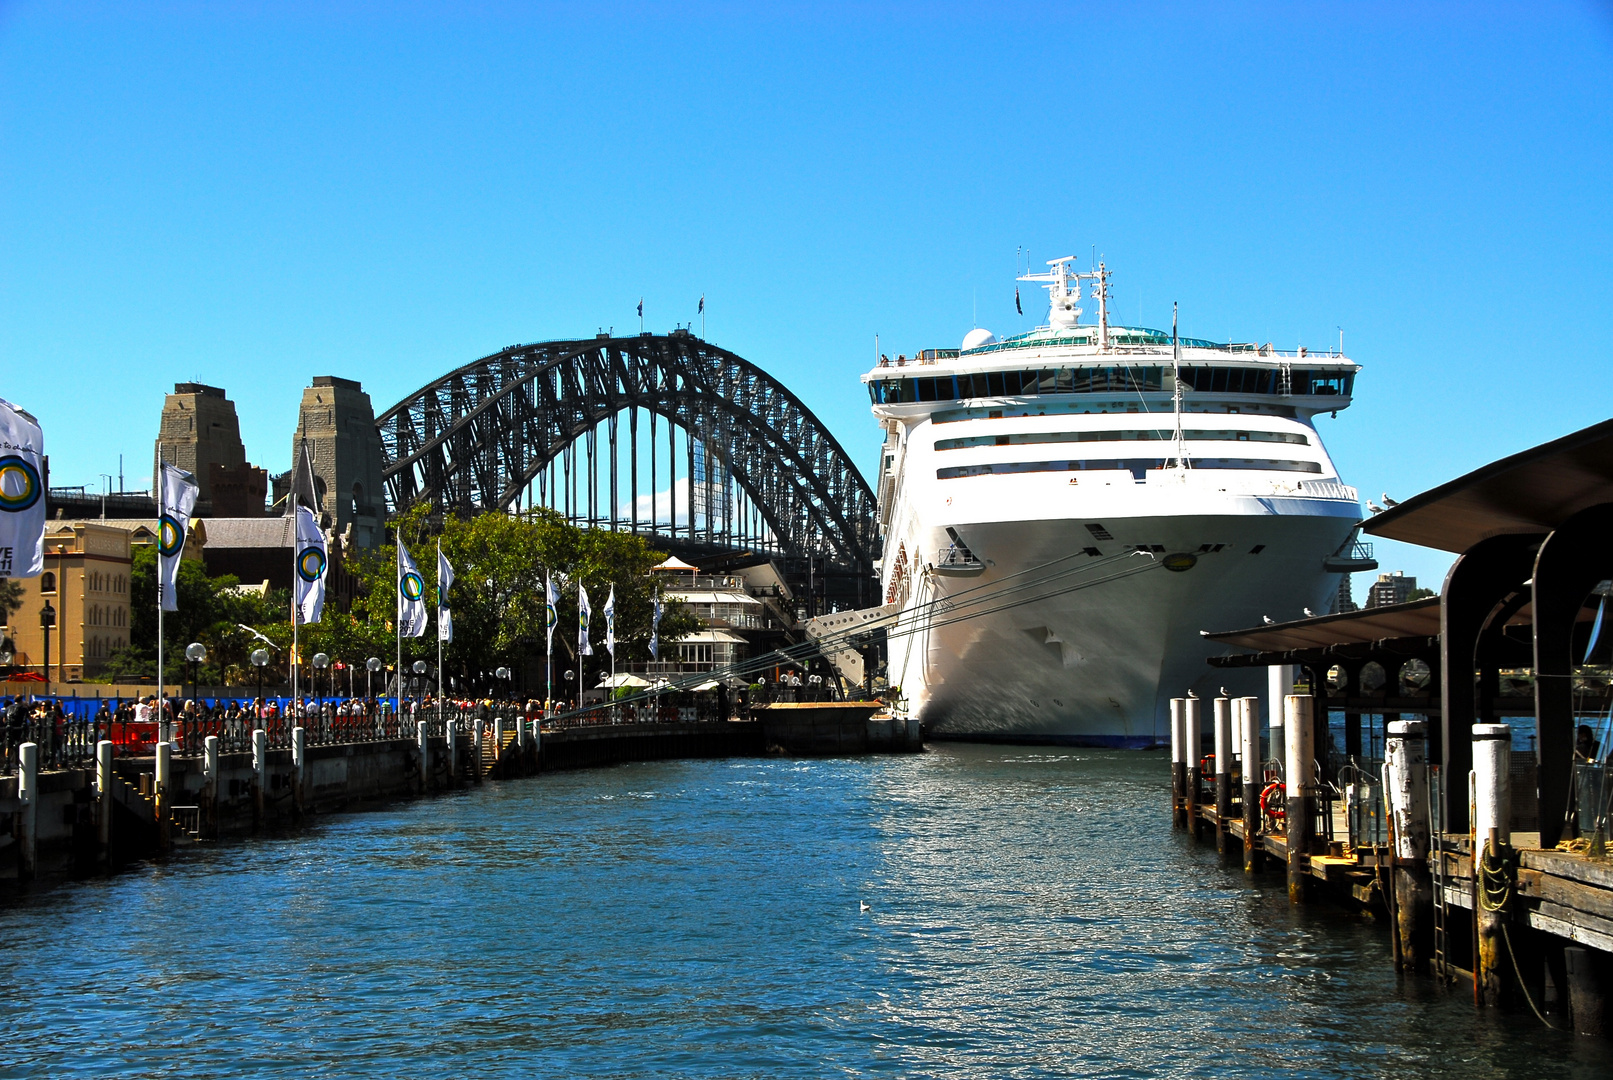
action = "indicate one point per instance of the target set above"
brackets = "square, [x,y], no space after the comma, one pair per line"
[1064,511]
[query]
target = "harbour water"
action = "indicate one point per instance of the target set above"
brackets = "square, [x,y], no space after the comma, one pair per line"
[1030,913]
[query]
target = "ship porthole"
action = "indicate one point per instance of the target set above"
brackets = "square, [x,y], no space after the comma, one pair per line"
[1182,560]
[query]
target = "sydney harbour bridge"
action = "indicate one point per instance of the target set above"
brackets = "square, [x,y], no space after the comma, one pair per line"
[667,436]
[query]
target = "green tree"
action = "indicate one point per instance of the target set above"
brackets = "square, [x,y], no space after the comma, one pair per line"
[210,611]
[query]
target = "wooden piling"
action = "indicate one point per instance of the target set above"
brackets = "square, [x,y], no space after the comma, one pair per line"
[1585,996]
[299,763]
[27,811]
[1492,837]
[1178,765]
[1299,804]
[209,802]
[260,775]
[423,736]
[451,739]
[1253,776]
[162,796]
[1223,775]
[1406,780]
[103,803]
[1193,748]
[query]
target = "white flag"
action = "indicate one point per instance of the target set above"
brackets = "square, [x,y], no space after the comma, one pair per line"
[311,559]
[551,610]
[22,494]
[583,614]
[411,596]
[445,580]
[655,626]
[610,622]
[178,499]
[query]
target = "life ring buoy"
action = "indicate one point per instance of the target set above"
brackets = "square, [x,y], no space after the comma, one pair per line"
[1207,765]
[1278,812]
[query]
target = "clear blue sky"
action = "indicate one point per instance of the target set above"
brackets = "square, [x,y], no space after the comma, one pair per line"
[253,194]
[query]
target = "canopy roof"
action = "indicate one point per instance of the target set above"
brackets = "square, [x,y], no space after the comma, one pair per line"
[1419,618]
[674,563]
[1529,492]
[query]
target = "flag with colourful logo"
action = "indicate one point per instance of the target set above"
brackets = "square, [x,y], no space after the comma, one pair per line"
[411,596]
[551,609]
[655,626]
[22,494]
[311,562]
[178,492]
[584,612]
[610,622]
[445,580]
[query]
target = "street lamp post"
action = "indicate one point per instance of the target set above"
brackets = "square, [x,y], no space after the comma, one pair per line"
[503,675]
[321,663]
[47,621]
[195,653]
[570,675]
[418,682]
[371,666]
[260,660]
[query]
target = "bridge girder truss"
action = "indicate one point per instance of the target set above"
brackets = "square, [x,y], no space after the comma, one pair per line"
[475,438]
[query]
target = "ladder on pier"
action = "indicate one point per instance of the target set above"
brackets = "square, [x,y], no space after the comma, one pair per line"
[492,753]
[1440,963]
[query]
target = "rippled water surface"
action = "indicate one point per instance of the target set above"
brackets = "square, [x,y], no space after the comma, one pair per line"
[1031,914]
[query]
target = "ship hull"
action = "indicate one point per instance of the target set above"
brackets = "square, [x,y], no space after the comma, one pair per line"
[1052,644]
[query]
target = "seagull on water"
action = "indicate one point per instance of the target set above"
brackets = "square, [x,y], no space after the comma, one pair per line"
[865,906]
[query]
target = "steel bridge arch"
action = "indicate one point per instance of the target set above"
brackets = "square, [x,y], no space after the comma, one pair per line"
[475,438]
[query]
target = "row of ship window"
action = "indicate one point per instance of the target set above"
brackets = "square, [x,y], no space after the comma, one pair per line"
[1138,467]
[1302,382]
[1152,435]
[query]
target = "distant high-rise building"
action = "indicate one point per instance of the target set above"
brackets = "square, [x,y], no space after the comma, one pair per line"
[338,422]
[1391,588]
[200,433]
[1344,600]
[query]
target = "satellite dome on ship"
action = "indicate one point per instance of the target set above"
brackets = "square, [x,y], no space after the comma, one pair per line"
[977,337]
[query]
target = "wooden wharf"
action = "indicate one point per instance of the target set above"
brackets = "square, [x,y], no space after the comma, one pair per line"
[1481,832]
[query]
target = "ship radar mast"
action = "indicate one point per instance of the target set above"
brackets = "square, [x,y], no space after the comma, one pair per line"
[1180,437]
[1062,314]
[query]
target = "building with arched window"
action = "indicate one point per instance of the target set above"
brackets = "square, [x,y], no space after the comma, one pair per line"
[86,584]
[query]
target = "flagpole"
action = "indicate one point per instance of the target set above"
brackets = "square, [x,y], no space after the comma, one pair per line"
[439,629]
[296,655]
[162,695]
[548,649]
[397,622]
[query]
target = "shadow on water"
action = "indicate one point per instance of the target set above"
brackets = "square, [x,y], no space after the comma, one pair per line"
[1030,913]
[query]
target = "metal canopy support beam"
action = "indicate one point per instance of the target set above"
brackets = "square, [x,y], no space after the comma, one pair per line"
[1484,576]
[1572,561]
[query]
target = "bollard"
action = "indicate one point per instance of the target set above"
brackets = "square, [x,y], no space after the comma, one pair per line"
[451,737]
[1279,684]
[1223,774]
[209,810]
[498,739]
[28,811]
[1585,999]
[1253,775]
[520,736]
[1299,803]
[423,739]
[299,764]
[1178,766]
[260,774]
[103,802]
[163,770]
[1405,780]
[1192,750]
[476,749]
[1492,837]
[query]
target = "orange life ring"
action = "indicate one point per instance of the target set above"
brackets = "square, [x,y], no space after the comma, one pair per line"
[1279,813]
